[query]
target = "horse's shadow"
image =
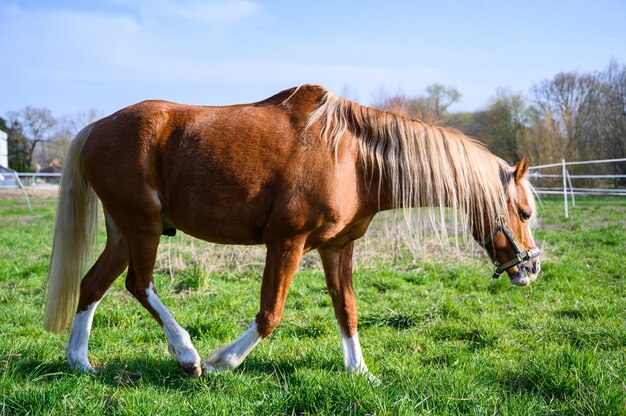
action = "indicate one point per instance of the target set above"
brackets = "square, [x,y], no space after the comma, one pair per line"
[164,371]
[33,370]
[287,367]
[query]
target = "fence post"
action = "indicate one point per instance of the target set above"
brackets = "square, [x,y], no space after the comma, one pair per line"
[19,183]
[565,188]
[571,189]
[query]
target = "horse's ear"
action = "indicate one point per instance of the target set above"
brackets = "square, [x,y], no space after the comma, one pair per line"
[521,168]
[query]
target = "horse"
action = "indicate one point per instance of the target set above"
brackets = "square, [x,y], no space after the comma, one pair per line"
[302,170]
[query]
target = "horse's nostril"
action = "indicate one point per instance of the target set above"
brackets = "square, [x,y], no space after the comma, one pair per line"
[535,267]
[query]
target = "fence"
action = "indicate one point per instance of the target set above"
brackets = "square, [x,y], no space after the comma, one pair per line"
[51,180]
[40,180]
[566,179]
[28,181]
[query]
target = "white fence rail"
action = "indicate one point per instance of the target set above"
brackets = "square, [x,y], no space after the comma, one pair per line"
[51,180]
[30,181]
[567,187]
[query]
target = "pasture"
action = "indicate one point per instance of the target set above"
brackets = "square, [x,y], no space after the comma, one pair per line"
[441,335]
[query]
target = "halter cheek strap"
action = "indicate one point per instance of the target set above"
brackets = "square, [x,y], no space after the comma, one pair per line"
[522,257]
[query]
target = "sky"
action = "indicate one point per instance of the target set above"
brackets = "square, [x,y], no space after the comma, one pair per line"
[73,56]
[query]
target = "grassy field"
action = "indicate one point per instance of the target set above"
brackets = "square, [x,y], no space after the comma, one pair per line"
[441,335]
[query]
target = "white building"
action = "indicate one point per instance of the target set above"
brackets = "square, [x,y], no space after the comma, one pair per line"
[4,149]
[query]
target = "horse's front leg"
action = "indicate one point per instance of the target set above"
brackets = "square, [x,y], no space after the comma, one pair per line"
[337,264]
[281,263]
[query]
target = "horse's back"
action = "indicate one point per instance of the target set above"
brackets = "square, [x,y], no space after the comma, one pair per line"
[218,173]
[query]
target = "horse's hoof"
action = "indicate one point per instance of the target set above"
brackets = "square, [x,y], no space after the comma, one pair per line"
[192,370]
[82,367]
[372,379]
[210,369]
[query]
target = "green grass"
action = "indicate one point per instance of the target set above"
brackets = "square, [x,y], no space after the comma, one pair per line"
[441,335]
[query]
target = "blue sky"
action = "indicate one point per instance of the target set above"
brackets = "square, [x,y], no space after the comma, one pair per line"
[73,56]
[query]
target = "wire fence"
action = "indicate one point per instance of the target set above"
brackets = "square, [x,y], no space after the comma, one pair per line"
[604,183]
[40,180]
[25,182]
[556,181]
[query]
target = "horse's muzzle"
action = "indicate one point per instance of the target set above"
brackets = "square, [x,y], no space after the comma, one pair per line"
[526,274]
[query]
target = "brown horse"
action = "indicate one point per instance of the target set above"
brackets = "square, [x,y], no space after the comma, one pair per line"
[302,170]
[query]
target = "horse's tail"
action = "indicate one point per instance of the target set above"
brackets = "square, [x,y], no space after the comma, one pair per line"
[74,234]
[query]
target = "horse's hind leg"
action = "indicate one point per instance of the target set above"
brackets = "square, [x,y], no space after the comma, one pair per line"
[337,264]
[143,244]
[94,285]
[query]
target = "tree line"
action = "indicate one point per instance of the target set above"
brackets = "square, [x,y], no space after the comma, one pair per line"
[575,116]
[37,140]
[572,116]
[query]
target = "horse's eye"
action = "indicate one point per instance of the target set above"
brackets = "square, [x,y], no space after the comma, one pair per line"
[525,215]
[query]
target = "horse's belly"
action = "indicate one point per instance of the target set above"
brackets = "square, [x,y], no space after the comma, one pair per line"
[221,234]
[222,222]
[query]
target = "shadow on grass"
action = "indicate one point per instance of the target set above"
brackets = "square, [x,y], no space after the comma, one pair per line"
[567,379]
[35,371]
[162,372]
[285,367]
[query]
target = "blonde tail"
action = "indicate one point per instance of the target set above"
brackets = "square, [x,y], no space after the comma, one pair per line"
[74,234]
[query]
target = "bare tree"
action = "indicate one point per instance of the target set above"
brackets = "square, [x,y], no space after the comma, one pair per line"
[582,116]
[403,105]
[612,118]
[53,150]
[439,98]
[431,107]
[36,124]
[569,104]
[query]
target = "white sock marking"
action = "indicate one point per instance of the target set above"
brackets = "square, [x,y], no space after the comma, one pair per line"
[78,343]
[353,357]
[233,354]
[180,346]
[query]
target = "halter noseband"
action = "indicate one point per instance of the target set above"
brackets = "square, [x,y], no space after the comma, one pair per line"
[522,257]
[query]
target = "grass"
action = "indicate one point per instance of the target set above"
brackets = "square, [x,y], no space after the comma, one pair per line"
[441,335]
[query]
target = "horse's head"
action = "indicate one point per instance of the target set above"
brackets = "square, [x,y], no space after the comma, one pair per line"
[509,241]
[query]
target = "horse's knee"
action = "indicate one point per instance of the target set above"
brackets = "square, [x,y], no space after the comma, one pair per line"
[135,287]
[266,323]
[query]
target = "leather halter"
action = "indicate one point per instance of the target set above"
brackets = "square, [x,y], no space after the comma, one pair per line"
[522,257]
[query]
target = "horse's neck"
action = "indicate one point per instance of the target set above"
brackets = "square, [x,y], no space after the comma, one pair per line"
[441,168]
[466,198]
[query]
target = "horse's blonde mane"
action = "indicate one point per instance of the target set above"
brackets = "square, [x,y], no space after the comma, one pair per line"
[422,165]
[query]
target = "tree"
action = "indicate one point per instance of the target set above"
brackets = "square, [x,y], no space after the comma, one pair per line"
[432,107]
[569,106]
[53,150]
[35,124]
[439,98]
[612,118]
[582,116]
[504,124]
[402,105]
[585,111]
[17,146]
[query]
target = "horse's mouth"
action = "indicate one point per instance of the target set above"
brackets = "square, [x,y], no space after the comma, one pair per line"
[522,278]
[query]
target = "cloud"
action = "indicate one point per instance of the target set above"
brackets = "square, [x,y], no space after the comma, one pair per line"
[139,40]
[126,51]
[51,51]
[219,13]
[66,41]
